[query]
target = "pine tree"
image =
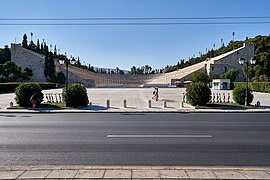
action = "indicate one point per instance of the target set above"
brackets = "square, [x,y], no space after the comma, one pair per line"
[24,42]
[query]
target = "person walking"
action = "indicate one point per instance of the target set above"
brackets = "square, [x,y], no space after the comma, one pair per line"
[33,100]
[155,94]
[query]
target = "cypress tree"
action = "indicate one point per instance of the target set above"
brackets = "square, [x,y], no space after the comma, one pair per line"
[51,67]
[24,42]
[41,49]
[38,46]
[46,63]
[55,52]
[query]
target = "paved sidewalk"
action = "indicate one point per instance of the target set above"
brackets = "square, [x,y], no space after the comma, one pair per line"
[133,172]
[136,101]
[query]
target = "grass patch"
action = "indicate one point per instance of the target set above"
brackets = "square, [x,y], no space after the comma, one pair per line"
[44,105]
[227,106]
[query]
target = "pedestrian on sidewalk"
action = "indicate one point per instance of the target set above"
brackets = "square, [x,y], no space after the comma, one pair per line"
[155,94]
[33,100]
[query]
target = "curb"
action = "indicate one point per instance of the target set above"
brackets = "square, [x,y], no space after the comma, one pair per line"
[133,172]
[134,112]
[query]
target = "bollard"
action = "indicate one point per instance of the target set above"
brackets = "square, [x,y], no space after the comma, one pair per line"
[258,103]
[182,104]
[149,103]
[125,103]
[90,104]
[164,104]
[108,103]
[11,104]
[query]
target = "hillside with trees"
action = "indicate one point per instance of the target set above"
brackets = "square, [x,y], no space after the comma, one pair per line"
[9,71]
[259,72]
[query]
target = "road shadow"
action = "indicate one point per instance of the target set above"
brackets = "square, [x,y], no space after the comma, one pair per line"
[12,116]
[131,107]
[167,100]
[153,107]
[93,107]
[170,107]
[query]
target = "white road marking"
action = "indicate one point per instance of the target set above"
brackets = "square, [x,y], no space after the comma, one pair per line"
[157,136]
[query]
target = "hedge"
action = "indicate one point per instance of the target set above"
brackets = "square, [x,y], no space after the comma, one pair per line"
[24,92]
[75,95]
[256,86]
[11,86]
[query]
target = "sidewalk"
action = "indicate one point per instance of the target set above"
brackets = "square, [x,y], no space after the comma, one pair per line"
[136,101]
[133,172]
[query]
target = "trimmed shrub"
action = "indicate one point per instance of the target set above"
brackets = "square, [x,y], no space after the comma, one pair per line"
[256,86]
[24,92]
[11,86]
[47,85]
[8,87]
[75,95]
[198,94]
[239,94]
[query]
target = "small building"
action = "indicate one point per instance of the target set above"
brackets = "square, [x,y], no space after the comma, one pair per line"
[221,84]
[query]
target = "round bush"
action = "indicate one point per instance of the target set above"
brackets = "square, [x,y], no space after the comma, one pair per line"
[75,95]
[198,93]
[239,94]
[24,92]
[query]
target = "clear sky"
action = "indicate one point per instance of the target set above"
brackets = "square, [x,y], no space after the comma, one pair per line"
[125,46]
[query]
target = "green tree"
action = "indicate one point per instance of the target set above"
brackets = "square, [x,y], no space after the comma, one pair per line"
[26,74]
[117,70]
[51,67]
[41,49]
[75,95]
[46,66]
[25,90]
[147,69]
[11,72]
[38,47]
[198,93]
[55,52]
[133,70]
[60,77]
[239,94]
[213,76]
[199,76]
[231,74]
[258,70]
[5,55]
[25,42]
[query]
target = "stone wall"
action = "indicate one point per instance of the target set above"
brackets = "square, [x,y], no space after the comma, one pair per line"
[74,78]
[26,58]
[230,61]
[36,62]
[216,65]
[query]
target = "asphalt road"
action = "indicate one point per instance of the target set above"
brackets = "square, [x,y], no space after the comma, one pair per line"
[135,139]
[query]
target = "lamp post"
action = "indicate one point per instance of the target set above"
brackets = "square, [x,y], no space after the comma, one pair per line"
[243,61]
[66,62]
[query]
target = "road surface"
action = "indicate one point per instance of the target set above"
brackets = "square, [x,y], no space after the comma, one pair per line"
[162,139]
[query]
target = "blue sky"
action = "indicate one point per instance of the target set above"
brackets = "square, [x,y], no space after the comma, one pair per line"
[125,46]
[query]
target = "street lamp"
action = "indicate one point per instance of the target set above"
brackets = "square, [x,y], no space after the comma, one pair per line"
[66,62]
[243,61]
